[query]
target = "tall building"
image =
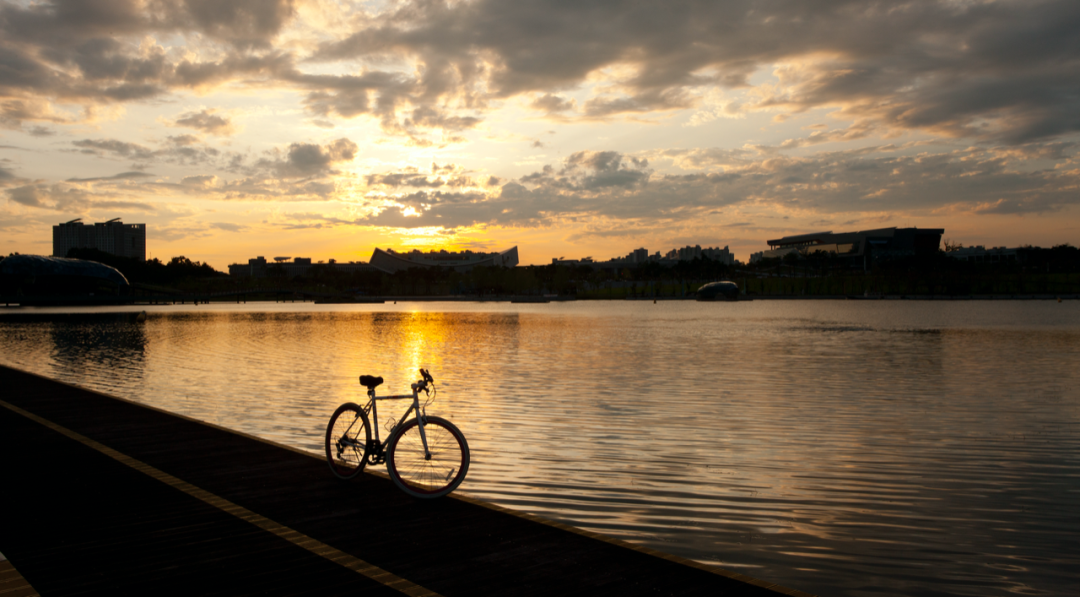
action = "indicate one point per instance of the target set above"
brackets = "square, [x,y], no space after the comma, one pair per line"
[114,236]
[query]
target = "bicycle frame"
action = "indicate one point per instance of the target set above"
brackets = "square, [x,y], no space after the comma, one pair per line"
[373,409]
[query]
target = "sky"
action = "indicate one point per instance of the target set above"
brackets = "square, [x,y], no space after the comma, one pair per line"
[568,128]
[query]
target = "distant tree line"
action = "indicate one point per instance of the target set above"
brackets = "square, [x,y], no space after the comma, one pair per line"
[1035,270]
[151,271]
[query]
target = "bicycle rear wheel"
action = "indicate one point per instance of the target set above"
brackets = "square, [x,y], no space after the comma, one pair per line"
[347,437]
[418,475]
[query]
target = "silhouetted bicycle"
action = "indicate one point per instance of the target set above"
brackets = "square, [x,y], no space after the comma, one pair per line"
[427,457]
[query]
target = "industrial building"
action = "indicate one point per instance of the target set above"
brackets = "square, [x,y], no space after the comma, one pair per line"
[114,237]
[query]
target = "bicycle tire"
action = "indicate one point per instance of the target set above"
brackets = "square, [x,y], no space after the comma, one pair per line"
[428,478]
[348,435]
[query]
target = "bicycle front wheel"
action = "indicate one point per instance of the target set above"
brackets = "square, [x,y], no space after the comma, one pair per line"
[432,474]
[347,439]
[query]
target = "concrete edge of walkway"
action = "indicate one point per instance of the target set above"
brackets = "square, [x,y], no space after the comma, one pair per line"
[780,589]
[12,583]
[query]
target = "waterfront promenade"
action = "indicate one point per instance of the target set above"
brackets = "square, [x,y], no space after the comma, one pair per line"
[106,496]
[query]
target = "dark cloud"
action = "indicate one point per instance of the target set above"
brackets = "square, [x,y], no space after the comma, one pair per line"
[309,159]
[244,23]
[29,195]
[591,170]
[943,66]
[998,71]
[552,103]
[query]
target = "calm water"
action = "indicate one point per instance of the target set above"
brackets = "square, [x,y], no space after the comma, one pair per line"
[838,447]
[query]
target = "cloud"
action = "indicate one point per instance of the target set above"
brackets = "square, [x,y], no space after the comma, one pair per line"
[184,140]
[310,159]
[615,191]
[228,227]
[40,131]
[121,176]
[1001,72]
[29,195]
[206,121]
[124,205]
[115,147]
[552,103]
[182,150]
[939,66]
[244,23]
[63,197]
[200,181]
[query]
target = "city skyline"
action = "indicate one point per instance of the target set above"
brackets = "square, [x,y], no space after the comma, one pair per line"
[328,128]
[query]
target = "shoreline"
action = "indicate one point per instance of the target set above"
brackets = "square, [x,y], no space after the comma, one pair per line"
[14,303]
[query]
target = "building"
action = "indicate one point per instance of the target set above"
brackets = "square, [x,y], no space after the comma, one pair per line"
[859,249]
[30,276]
[292,267]
[114,237]
[391,261]
[641,256]
[689,253]
[980,254]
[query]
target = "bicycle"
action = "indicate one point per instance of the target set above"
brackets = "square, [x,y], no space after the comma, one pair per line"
[426,457]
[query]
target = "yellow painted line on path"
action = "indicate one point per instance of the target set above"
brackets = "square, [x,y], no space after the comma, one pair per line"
[295,537]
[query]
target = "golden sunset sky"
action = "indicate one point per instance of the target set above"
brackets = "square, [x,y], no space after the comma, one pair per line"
[325,128]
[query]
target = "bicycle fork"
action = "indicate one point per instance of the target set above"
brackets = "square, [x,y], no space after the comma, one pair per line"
[421,420]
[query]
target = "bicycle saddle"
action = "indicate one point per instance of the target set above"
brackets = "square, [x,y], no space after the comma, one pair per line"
[370,381]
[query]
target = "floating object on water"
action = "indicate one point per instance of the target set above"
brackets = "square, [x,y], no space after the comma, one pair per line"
[718,291]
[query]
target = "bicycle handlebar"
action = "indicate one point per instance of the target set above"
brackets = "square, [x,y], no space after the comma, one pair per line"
[427,376]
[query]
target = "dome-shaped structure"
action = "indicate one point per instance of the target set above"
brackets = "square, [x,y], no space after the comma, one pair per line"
[37,266]
[718,291]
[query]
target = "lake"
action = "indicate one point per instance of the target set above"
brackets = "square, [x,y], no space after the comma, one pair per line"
[837,447]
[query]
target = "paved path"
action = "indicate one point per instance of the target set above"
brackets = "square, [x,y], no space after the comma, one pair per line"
[102,495]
